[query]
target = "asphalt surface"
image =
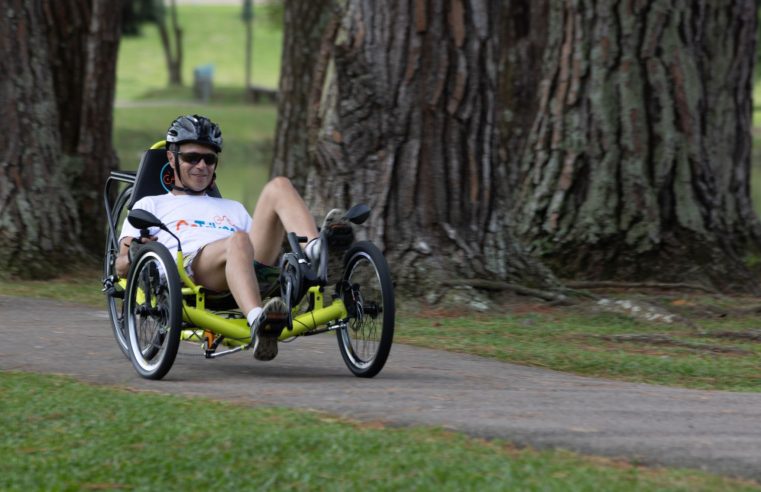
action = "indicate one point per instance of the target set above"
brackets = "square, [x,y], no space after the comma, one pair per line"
[710,430]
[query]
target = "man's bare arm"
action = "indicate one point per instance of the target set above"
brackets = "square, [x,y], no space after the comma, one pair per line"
[122,261]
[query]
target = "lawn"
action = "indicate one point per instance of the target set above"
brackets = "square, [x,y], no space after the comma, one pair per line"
[212,35]
[713,345]
[59,434]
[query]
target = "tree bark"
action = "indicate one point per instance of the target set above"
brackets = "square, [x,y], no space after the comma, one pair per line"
[308,24]
[638,161]
[59,58]
[407,125]
[39,223]
[523,38]
[83,42]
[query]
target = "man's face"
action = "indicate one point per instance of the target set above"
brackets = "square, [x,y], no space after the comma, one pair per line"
[199,175]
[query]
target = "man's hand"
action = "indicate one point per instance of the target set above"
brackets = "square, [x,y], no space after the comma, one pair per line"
[128,252]
[135,245]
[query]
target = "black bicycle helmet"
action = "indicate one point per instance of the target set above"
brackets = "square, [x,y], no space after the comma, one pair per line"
[195,128]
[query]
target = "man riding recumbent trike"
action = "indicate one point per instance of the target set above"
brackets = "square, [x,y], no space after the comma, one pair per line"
[190,265]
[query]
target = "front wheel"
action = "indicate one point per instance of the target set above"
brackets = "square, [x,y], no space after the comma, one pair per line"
[153,311]
[368,293]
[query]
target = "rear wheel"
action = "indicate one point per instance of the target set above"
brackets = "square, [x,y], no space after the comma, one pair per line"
[369,297]
[114,293]
[153,311]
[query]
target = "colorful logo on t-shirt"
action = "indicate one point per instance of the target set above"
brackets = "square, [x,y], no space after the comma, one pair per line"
[218,222]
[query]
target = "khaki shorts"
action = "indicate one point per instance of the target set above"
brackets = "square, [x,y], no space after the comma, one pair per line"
[267,276]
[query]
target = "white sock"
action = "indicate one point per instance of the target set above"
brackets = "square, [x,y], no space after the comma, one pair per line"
[312,249]
[253,314]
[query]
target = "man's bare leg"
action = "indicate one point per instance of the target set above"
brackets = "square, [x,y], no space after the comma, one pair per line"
[280,208]
[228,264]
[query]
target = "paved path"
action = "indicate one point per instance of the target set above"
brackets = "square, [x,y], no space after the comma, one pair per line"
[715,431]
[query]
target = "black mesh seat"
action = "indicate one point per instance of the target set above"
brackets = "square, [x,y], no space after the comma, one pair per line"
[155,177]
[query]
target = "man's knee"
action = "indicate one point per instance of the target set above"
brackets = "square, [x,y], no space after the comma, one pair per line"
[279,184]
[240,242]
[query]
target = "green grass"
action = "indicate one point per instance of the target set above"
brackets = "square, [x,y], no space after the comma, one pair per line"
[583,340]
[82,286]
[211,35]
[59,434]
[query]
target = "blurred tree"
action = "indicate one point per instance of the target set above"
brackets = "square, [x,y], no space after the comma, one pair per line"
[59,61]
[248,19]
[637,164]
[135,13]
[405,121]
[172,44]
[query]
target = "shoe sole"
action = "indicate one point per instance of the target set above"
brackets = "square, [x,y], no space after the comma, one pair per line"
[266,343]
[266,348]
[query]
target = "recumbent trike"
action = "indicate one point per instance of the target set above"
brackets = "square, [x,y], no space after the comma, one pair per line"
[157,306]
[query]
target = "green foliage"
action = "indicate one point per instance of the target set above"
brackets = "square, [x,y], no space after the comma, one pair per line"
[62,435]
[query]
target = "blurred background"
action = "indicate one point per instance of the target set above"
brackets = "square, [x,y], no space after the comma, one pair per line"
[215,43]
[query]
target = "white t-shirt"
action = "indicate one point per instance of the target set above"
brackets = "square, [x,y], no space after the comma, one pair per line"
[196,219]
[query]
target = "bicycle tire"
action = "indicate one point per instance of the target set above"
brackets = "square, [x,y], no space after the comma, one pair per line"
[369,295]
[153,311]
[115,305]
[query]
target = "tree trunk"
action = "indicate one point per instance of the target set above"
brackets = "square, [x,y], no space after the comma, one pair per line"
[407,125]
[172,45]
[248,49]
[59,58]
[523,36]
[39,225]
[638,161]
[175,71]
[83,41]
[308,24]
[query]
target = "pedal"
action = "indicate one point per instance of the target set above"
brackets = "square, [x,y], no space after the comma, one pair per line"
[112,289]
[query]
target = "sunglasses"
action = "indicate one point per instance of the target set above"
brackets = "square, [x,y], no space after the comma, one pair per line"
[194,158]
